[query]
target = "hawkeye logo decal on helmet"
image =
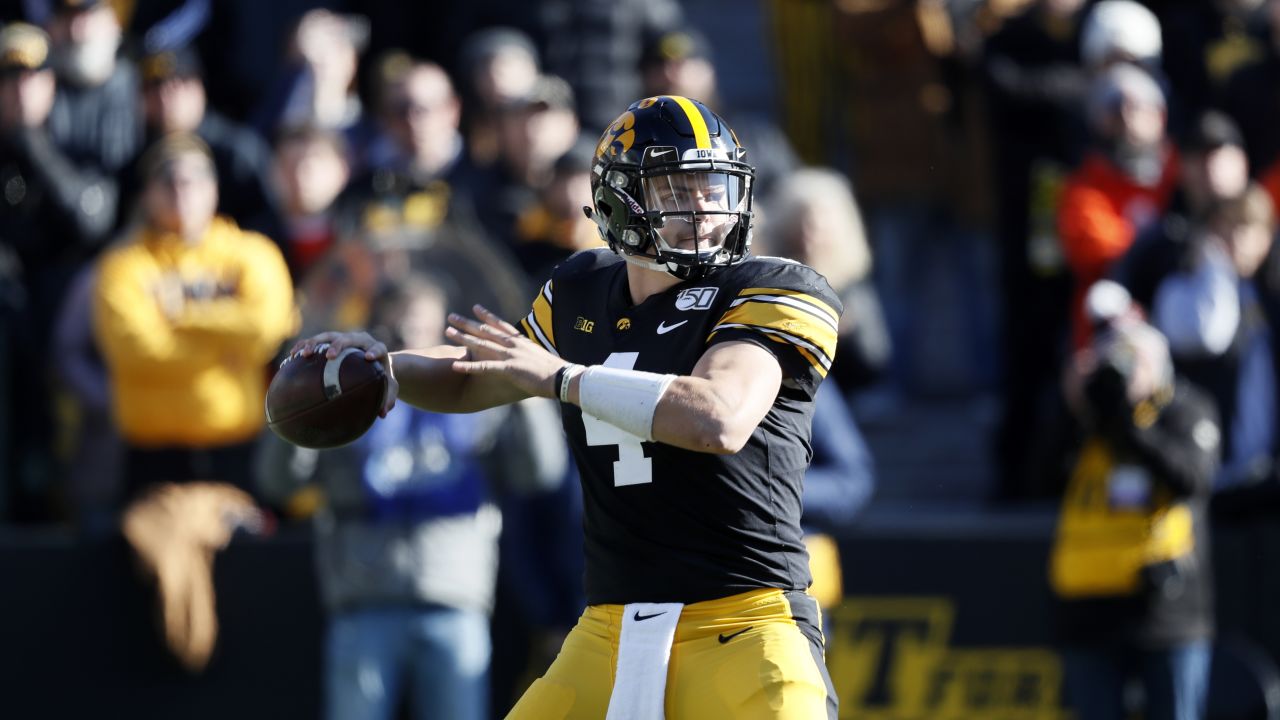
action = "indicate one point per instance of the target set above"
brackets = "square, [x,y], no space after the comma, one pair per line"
[619,137]
[696,298]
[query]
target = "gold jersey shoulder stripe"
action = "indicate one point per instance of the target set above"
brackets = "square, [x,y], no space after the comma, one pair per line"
[820,361]
[792,317]
[537,324]
[791,314]
[794,303]
[818,303]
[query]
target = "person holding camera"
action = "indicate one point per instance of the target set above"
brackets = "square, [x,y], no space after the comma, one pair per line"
[1130,558]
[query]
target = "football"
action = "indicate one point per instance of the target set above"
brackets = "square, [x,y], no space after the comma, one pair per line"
[317,402]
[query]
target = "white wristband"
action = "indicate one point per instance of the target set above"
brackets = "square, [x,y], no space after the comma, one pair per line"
[626,399]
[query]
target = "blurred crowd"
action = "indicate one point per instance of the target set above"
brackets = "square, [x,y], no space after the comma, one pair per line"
[185,194]
[189,185]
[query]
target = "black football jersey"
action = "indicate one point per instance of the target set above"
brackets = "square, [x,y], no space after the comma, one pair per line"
[664,524]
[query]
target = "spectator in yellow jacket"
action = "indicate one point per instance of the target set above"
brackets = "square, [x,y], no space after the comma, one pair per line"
[188,310]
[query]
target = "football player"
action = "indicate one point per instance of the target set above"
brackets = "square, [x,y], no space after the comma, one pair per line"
[686,370]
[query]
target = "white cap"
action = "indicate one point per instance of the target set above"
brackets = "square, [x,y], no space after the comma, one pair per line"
[1107,300]
[1120,27]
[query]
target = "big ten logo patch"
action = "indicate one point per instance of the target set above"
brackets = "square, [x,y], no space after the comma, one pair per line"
[695,298]
[891,659]
[584,325]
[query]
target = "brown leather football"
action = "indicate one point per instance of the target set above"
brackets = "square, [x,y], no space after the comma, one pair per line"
[316,402]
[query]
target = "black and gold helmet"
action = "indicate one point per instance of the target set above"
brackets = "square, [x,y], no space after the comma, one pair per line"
[670,188]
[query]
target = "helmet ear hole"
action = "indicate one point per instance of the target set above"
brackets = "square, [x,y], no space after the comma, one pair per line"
[603,204]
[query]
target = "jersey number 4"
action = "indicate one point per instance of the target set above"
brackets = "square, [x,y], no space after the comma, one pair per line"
[631,467]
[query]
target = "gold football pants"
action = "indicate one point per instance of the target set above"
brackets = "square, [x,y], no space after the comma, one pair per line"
[754,656]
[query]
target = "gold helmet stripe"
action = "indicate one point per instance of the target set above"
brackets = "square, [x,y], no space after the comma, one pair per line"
[700,135]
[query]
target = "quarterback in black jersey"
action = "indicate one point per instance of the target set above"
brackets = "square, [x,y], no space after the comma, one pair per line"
[686,370]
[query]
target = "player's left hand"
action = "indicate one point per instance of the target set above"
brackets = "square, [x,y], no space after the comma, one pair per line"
[495,347]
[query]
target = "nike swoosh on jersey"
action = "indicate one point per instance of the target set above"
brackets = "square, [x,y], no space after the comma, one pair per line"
[638,617]
[664,328]
[726,638]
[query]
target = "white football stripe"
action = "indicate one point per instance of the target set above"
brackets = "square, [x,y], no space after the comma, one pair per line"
[332,366]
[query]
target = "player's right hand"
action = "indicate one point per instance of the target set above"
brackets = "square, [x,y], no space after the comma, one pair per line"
[496,348]
[374,351]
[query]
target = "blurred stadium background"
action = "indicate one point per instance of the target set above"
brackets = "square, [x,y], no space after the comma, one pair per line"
[957,124]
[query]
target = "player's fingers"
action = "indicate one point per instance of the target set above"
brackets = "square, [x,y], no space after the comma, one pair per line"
[336,344]
[472,328]
[473,341]
[477,367]
[465,324]
[491,318]
[361,341]
[497,334]
[377,351]
[307,346]
[389,400]
[373,349]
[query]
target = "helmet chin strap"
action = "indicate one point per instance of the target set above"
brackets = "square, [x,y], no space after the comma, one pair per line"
[678,270]
[648,264]
[682,272]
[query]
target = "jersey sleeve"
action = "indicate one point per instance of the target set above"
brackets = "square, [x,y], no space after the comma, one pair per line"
[537,324]
[792,314]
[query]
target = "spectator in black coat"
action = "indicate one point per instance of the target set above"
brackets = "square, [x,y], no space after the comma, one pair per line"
[1213,169]
[498,65]
[1252,96]
[96,118]
[1206,42]
[597,46]
[316,83]
[174,101]
[534,131]
[54,214]
[419,143]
